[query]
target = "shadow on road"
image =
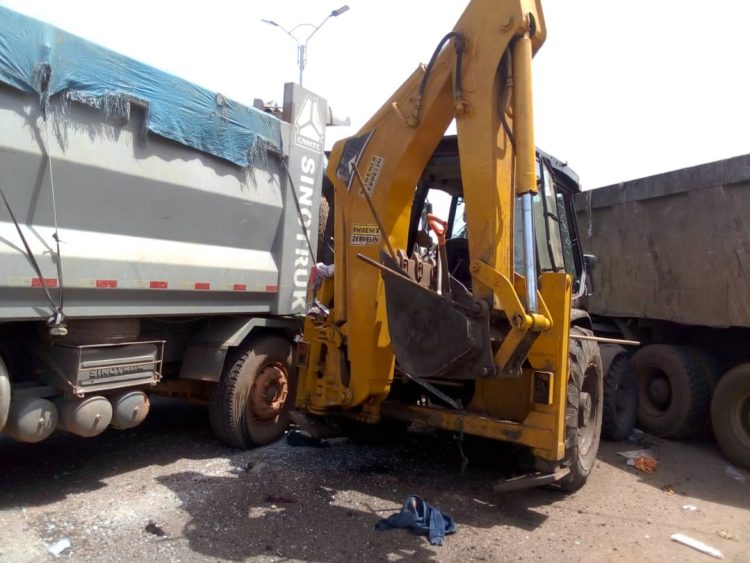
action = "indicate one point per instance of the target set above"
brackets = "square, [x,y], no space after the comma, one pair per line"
[690,468]
[47,472]
[339,493]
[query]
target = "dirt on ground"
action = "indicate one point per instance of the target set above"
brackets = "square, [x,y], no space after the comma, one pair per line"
[169,490]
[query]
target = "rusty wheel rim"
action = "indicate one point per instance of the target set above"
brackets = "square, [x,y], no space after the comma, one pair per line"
[269,392]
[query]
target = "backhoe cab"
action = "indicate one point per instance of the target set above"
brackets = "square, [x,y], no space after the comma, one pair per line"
[471,328]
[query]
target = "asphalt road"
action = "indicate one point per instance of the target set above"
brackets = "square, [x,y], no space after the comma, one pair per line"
[169,490]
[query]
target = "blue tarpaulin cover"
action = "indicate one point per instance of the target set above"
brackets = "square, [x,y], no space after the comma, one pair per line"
[38,58]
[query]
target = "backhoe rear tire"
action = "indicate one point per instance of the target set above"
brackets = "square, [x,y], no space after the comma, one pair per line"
[674,390]
[730,415]
[583,415]
[250,404]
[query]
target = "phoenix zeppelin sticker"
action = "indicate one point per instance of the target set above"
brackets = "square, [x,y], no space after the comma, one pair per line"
[374,168]
[365,235]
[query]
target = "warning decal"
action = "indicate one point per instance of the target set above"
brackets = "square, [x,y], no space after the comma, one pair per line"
[364,235]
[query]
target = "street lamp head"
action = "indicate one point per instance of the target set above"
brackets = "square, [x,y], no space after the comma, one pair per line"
[339,11]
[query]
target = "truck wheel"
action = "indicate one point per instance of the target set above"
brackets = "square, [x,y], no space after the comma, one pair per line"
[730,414]
[712,369]
[249,406]
[4,394]
[583,415]
[620,398]
[673,390]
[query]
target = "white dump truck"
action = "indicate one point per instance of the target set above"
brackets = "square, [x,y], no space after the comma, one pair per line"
[155,237]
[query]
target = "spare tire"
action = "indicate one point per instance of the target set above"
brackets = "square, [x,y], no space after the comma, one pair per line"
[730,415]
[674,393]
[620,398]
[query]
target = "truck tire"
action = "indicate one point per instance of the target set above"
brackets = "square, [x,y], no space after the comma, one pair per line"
[730,415]
[4,394]
[712,369]
[620,398]
[249,406]
[583,415]
[674,393]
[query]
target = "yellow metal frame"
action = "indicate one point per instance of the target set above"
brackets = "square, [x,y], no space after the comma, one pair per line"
[351,361]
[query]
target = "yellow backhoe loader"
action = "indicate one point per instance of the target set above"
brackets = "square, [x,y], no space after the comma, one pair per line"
[466,324]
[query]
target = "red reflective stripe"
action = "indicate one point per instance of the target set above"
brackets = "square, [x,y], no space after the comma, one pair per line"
[48,282]
[106,284]
[239,287]
[158,285]
[272,288]
[202,285]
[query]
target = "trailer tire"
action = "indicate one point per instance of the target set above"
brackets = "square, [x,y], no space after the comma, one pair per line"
[674,393]
[712,369]
[730,415]
[250,404]
[4,394]
[583,414]
[620,398]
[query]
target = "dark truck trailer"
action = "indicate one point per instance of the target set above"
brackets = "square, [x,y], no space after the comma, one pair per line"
[673,271]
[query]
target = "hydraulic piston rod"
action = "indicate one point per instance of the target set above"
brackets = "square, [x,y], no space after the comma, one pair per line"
[523,126]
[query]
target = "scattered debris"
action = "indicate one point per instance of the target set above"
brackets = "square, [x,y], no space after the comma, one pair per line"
[689,507]
[727,535]
[420,518]
[698,545]
[638,437]
[645,460]
[153,528]
[644,463]
[281,500]
[300,438]
[59,546]
[735,473]
[635,454]
[669,490]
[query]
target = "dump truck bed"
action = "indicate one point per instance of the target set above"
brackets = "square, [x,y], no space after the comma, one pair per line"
[674,246]
[168,198]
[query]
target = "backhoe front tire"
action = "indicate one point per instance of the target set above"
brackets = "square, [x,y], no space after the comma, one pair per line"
[583,415]
[250,404]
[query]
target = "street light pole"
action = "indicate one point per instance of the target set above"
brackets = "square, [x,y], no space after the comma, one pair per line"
[302,47]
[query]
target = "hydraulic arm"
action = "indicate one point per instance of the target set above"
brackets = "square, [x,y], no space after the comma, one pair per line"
[504,336]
